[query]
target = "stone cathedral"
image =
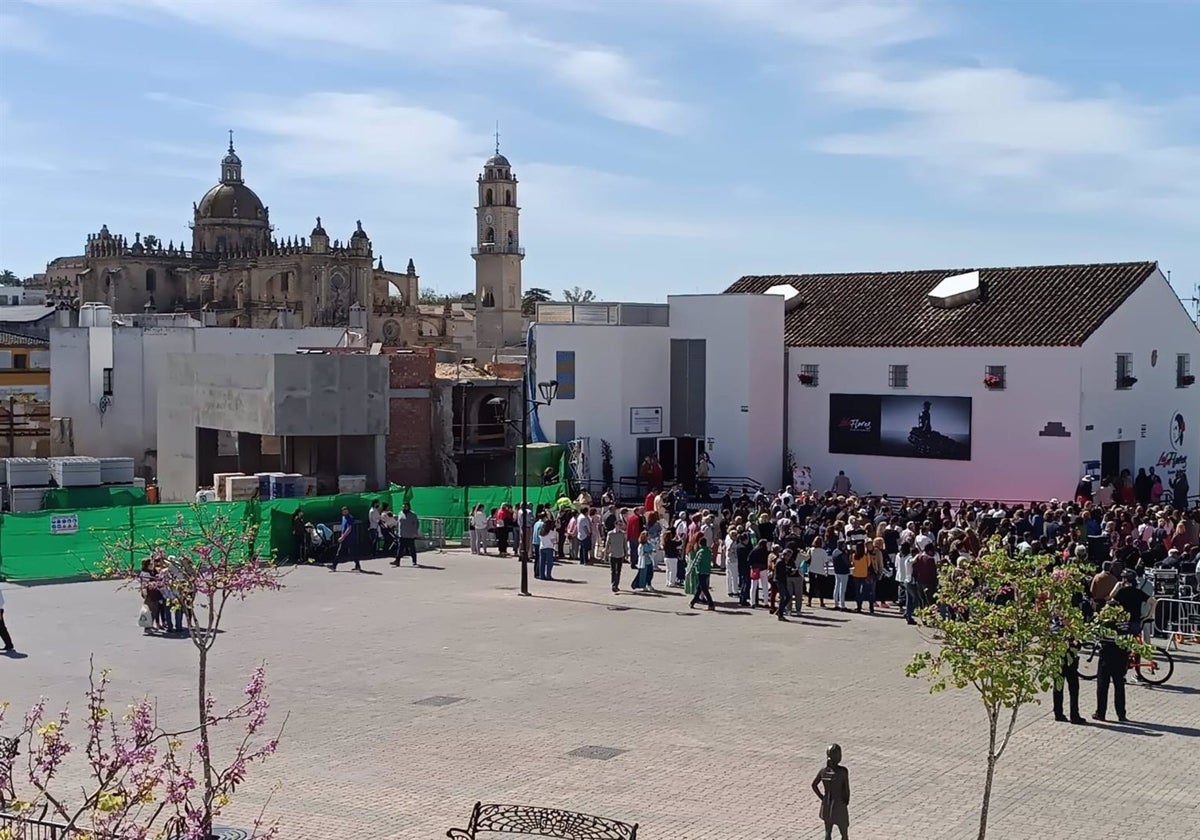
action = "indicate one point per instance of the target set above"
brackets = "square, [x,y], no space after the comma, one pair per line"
[237,272]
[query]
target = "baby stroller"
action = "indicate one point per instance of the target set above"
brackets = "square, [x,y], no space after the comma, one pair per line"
[321,547]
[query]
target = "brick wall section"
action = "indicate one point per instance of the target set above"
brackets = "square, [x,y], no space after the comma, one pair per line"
[410,442]
[412,370]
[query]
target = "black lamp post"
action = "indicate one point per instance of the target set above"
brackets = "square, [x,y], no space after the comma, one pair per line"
[547,391]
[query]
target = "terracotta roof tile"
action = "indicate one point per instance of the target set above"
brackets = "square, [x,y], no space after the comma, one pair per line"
[1050,305]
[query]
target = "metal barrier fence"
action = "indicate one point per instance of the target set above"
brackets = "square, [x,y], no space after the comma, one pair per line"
[1178,619]
[23,828]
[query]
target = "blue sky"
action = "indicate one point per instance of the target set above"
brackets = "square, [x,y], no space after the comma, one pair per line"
[661,145]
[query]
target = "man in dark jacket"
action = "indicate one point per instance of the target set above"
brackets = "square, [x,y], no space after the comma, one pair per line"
[758,559]
[785,570]
[924,571]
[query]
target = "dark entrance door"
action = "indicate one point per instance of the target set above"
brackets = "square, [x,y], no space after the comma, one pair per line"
[1110,458]
[686,455]
[668,459]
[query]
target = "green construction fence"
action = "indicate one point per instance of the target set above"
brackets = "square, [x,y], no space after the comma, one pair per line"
[72,543]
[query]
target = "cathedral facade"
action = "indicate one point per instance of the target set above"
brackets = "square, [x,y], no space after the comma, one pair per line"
[237,273]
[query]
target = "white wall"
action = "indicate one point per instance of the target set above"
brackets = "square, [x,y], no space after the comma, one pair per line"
[128,427]
[744,384]
[616,368]
[1152,323]
[1009,459]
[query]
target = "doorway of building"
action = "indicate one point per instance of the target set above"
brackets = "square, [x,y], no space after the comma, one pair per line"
[1116,455]
[667,459]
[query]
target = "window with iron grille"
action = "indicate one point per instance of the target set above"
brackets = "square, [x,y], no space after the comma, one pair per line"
[108,382]
[897,376]
[809,375]
[995,377]
[1183,370]
[1125,370]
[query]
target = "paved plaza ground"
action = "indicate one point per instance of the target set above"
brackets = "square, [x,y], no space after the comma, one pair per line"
[722,717]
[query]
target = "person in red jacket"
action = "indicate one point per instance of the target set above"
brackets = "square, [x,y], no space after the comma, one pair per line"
[633,530]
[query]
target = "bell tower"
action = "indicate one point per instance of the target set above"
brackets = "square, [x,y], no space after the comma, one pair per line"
[498,255]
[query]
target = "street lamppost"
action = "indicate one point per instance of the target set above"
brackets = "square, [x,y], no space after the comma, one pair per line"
[547,391]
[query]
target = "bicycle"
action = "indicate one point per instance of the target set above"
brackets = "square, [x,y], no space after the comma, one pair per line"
[1154,670]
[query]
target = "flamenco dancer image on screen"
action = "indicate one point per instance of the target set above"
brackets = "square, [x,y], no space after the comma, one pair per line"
[835,798]
[930,443]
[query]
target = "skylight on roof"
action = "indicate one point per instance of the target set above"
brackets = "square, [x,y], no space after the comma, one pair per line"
[956,290]
[791,296]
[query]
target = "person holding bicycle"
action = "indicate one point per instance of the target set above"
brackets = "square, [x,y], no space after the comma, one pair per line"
[1114,659]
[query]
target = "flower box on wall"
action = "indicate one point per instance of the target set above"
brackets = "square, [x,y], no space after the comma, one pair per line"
[993,382]
[1126,381]
[806,378]
[1185,381]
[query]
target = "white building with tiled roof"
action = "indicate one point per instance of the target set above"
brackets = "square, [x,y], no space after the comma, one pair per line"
[1004,383]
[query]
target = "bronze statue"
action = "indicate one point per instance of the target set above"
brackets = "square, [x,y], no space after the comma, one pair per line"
[835,799]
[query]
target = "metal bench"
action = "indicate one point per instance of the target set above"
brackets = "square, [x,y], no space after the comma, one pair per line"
[541,822]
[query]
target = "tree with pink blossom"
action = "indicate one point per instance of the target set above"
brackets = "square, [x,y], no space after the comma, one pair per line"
[143,779]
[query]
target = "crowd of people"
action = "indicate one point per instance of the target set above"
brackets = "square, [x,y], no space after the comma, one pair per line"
[781,551]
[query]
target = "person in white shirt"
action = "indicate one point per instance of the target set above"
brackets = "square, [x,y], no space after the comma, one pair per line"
[478,530]
[547,545]
[732,584]
[905,582]
[818,569]
[373,525]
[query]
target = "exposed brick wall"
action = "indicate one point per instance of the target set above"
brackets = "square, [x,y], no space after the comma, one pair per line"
[414,369]
[410,441]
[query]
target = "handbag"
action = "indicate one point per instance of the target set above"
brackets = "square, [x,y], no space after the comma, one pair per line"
[145,619]
[755,574]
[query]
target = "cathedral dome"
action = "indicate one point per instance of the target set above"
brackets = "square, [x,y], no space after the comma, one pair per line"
[497,160]
[231,200]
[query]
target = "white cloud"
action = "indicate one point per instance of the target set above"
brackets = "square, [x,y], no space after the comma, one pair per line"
[972,129]
[375,138]
[370,135]
[853,25]
[437,34]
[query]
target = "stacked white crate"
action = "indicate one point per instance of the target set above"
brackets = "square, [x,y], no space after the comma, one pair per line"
[26,499]
[240,488]
[352,484]
[219,483]
[76,471]
[116,470]
[310,485]
[27,472]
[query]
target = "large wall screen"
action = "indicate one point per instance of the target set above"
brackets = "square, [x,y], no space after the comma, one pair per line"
[900,426]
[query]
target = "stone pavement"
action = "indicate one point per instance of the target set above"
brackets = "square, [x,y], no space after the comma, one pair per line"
[722,717]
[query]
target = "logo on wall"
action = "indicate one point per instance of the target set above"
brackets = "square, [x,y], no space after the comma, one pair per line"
[855,424]
[1177,428]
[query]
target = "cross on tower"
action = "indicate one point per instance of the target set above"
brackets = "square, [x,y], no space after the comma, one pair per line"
[497,136]
[231,139]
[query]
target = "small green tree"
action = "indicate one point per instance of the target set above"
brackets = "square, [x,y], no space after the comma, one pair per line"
[606,463]
[578,295]
[1004,624]
[152,242]
[532,298]
[9,278]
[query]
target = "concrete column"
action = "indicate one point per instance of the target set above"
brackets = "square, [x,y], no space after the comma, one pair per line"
[249,453]
[206,456]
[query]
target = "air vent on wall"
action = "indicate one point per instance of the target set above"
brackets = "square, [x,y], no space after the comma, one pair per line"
[956,290]
[791,297]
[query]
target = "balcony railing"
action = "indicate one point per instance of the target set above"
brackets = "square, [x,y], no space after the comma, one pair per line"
[611,314]
[497,248]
